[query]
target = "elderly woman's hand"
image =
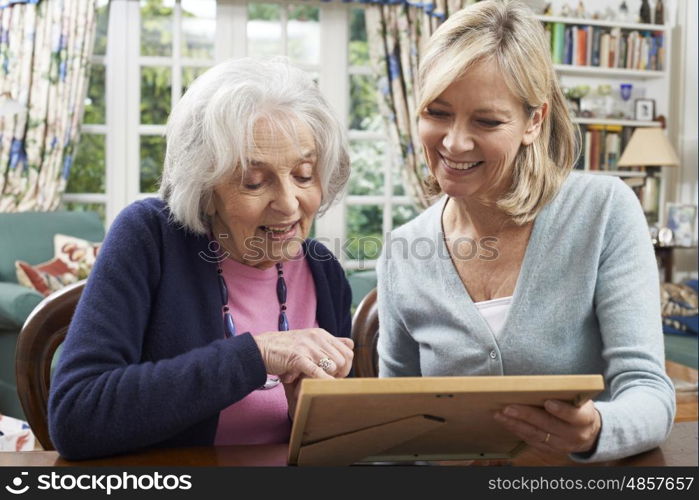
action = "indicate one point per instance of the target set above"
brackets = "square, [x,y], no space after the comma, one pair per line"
[299,352]
[559,426]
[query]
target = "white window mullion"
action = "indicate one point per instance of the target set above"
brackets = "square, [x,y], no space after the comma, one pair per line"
[176,70]
[334,84]
[84,198]
[151,129]
[366,135]
[284,18]
[132,169]
[154,60]
[93,128]
[117,63]
[231,29]
[368,199]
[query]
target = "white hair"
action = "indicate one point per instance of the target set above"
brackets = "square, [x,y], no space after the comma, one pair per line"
[210,131]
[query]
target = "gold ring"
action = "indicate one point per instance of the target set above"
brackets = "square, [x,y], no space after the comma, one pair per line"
[548,436]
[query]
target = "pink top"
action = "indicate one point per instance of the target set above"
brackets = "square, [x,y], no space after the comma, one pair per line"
[261,417]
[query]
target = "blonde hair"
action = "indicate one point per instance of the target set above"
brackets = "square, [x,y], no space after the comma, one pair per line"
[211,131]
[506,33]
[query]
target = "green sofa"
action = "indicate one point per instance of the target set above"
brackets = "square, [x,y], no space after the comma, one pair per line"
[28,236]
[361,283]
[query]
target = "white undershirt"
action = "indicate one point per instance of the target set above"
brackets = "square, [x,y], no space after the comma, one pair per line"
[495,312]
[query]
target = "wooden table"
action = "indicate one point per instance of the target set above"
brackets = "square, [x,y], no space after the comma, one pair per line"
[679,449]
[666,258]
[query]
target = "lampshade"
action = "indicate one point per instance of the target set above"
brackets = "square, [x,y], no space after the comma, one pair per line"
[648,147]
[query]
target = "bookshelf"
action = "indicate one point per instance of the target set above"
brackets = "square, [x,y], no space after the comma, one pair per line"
[637,55]
[581,45]
[602,24]
[573,69]
[610,121]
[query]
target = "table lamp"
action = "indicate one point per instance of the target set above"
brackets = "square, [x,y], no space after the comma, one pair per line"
[649,147]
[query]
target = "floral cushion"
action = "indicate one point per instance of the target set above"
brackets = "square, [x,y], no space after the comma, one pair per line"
[45,278]
[77,253]
[73,261]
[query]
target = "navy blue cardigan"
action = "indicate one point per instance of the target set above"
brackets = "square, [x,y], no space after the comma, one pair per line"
[145,362]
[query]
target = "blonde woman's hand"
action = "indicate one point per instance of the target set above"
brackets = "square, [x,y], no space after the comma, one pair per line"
[559,426]
[298,352]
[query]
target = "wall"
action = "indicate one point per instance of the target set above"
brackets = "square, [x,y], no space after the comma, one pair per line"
[685,88]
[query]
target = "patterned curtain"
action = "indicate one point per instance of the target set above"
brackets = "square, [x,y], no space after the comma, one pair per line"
[397,32]
[45,49]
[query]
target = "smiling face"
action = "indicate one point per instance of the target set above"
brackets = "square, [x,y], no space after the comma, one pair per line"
[472,132]
[266,210]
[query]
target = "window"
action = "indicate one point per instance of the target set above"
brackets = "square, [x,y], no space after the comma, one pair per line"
[158,47]
[176,44]
[86,188]
[376,201]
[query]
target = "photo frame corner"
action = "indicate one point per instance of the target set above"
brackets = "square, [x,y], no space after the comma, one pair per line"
[644,109]
[681,220]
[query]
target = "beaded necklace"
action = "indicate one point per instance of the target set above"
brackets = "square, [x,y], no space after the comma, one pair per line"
[229,329]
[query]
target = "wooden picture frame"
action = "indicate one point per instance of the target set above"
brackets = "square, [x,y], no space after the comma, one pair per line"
[344,421]
[644,110]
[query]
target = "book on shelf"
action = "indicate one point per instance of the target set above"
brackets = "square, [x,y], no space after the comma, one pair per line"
[594,56]
[604,50]
[558,42]
[623,44]
[602,146]
[586,150]
[582,45]
[568,46]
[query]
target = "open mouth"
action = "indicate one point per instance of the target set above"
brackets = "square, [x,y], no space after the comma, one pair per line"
[463,166]
[280,231]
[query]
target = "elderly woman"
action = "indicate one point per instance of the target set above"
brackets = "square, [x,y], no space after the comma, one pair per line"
[205,305]
[547,271]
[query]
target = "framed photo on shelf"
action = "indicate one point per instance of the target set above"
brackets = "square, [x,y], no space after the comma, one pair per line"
[680,219]
[644,110]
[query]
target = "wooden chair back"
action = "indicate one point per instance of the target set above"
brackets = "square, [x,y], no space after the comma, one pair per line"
[41,335]
[365,333]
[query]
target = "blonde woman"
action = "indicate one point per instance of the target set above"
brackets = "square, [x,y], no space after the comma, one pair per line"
[546,271]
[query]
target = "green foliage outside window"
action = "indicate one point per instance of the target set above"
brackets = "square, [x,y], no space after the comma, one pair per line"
[156,28]
[364,232]
[88,171]
[100,48]
[156,93]
[358,45]
[263,11]
[95,106]
[86,207]
[152,158]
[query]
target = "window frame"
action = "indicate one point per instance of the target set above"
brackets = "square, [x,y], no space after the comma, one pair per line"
[123,130]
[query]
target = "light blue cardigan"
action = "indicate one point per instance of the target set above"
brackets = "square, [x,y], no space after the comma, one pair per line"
[586,301]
